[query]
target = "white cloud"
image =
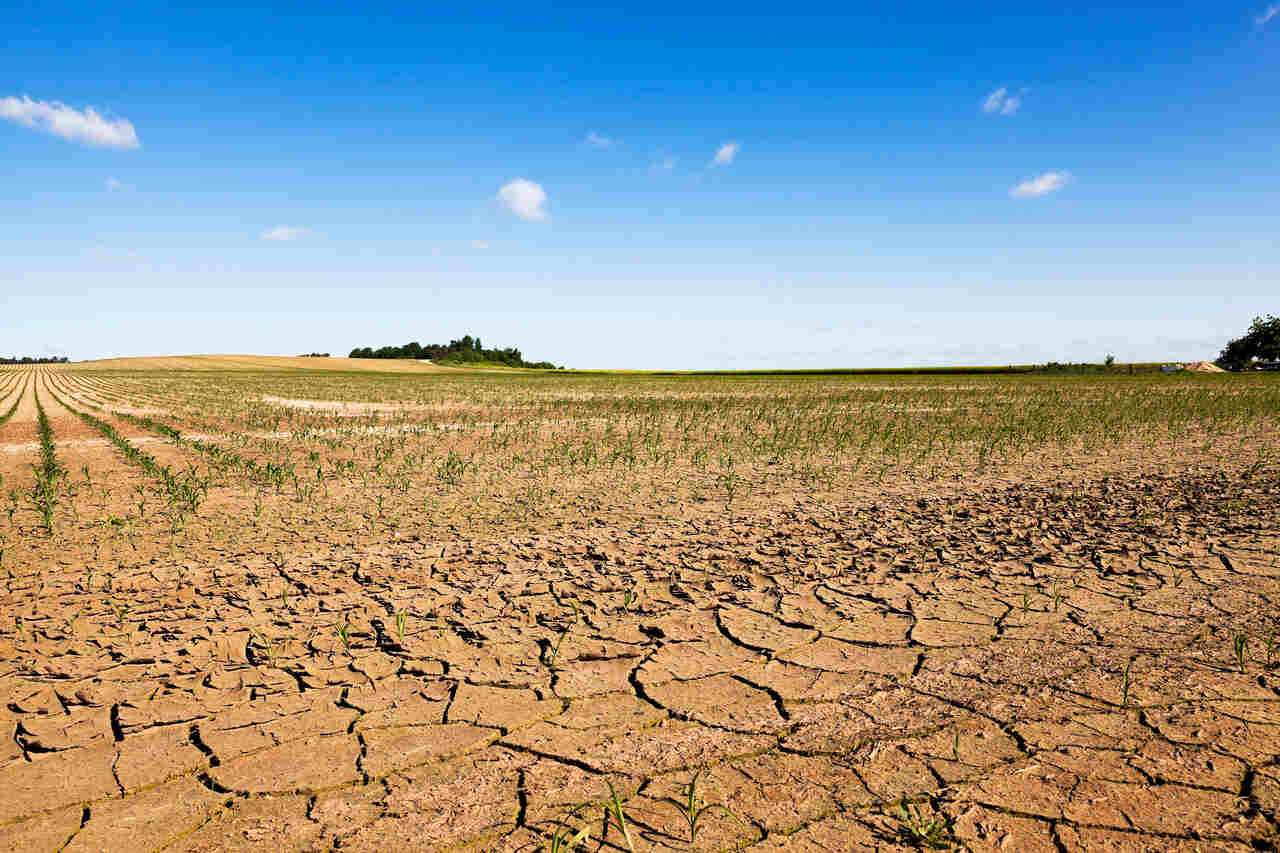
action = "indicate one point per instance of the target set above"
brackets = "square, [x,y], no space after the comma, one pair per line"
[1271,12]
[524,199]
[1002,102]
[284,233]
[479,244]
[667,164]
[597,140]
[1042,184]
[114,184]
[85,125]
[725,154]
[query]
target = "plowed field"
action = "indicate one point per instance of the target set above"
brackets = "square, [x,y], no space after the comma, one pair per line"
[253,606]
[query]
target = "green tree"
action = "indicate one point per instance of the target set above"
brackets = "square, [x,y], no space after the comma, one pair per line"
[1261,342]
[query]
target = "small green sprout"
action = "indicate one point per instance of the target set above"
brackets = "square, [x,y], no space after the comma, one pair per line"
[613,809]
[933,833]
[693,810]
[1241,645]
[570,833]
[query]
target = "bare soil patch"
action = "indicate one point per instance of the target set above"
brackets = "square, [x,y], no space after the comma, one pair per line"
[1061,651]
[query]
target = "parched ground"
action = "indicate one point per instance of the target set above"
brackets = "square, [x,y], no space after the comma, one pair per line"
[1070,656]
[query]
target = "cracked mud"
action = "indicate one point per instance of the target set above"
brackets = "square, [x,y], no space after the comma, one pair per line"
[1071,655]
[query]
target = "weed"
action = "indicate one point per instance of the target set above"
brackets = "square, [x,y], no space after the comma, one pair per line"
[933,833]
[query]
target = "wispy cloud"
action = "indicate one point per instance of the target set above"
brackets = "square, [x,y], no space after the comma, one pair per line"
[1003,102]
[725,154]
[666,164]
[86,126]
[114,184]
[284,233]
[1267,15]
[1041,184]
[524,198]
[479,244]
[598,141]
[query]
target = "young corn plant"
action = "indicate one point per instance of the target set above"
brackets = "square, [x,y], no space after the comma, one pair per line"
[693,809]
[613,810]
[44,494]
[550,653]
[569,834]
[1240,644]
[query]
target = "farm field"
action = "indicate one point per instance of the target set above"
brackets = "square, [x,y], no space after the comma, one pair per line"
[316,604]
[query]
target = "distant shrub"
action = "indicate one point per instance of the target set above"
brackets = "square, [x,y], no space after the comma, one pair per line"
[465,350]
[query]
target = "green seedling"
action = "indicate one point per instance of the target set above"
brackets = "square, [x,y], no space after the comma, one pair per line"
[955,747]
[693,810]
[1057,597]
[344,635]
[401,618]
[1241,645]
[933,833]
[629,598]
[569,834]
[549,653]
[267,646]
[613,810]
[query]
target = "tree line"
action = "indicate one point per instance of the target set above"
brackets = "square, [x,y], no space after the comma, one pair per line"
[1258,346]
[464,350]
[26,359]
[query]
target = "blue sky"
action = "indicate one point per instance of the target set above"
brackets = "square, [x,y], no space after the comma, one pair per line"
[651,187]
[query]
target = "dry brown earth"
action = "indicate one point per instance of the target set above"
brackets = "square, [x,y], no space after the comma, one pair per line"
[1045,657]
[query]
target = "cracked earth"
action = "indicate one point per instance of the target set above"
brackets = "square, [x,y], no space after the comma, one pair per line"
[1037,661]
